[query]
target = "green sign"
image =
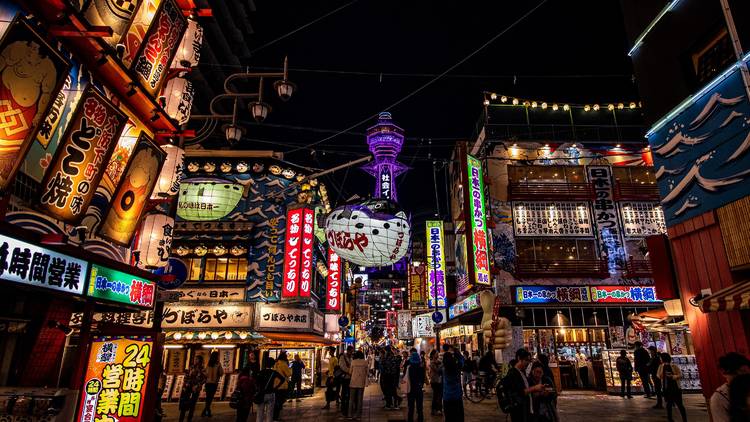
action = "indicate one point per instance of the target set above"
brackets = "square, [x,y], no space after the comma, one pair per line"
[479,233]
[117,286]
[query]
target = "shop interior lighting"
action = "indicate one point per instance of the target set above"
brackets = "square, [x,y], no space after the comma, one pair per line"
[639,40]
[174,346]
[218,346]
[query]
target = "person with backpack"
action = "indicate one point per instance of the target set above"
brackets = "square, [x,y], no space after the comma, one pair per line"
[242,397]
[730,365]
[357,384]
[436,382]
[625,371]
[282,391]
[266,384]
[214,372]
[670,376]
[195,377]
[414,374]
[516,393]
[453,404]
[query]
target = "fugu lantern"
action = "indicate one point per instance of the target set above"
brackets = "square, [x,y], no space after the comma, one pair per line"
[179,95]
[155,241]
[374,233]
[171,173]
[189,52]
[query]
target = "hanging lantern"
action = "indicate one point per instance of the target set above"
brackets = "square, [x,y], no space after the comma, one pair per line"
[155,241]
[219,250]
[179,95]
[189,52]
[171,173]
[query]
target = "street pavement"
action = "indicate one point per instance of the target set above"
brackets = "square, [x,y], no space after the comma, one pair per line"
[573,406]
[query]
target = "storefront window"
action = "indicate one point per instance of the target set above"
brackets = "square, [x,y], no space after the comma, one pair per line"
[636,175]
[221,269]
[560,174]
[194,268]
[555,249]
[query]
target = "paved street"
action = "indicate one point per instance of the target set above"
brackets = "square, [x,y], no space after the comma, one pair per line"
[574,407]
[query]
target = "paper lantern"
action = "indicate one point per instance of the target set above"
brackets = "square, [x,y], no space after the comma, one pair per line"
[155,241]
[179,94]
[171,173]
[204,199]
[374,233]
[189,52]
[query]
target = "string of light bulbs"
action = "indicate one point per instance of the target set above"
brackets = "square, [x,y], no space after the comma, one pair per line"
[555,106]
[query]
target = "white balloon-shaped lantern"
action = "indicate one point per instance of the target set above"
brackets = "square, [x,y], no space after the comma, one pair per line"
[155,241]
[171,173]
[374,233]
[189,52]
[178,95]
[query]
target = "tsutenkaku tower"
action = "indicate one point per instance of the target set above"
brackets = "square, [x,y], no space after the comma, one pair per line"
[385,140]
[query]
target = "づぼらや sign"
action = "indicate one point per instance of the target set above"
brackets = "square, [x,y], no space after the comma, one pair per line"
[116,286]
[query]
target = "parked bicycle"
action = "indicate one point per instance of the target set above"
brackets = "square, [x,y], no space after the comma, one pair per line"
[481,387]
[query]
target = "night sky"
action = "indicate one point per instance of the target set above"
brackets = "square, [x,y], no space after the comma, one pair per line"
[564,51]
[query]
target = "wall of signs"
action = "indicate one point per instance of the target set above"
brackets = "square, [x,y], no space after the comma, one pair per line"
[116,286]
[478,217]
[207,316]
[642,219]
[584,294]
[540,219]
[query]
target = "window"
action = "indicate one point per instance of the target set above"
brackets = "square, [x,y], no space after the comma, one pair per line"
[223,269]
[555,249]
[713,57]
[561,174]
[194,268]
[636,175]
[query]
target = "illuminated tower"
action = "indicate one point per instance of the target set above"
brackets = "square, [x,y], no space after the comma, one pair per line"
[385,140]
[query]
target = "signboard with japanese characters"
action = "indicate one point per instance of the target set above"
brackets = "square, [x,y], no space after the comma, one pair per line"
[606,217]
[24,263]
[417,286]
[584,294]
[464,306]
[116,380]
[385,182]
[234,294]
[435,265]
[404,325]
[135,319]
[539,219]
[292,250]
[391,319]
[333,287]
[480,274]
[207,316]
[306,253]
[282,318]
[82,157]
[642,219]
[423,326]
[117,286]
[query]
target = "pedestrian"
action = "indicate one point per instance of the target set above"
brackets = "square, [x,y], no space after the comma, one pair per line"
[195,377]
[214,372]
[544,361]
[670,376]
[266,383]
[453,405]
[730,365]
[357,384]
[415,376]
[653,367]
[436,382]
[332,385]
[281,392]
[389,378]
[345,363]
[545,402]
[246,390]
[371,364]
[625,370]
[520,389]
[641,359]
[488,369]
[378,358]
[253,362]
[739,398]
[296,382]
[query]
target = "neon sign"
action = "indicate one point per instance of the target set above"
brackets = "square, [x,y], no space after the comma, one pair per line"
[478,222]
[435,265]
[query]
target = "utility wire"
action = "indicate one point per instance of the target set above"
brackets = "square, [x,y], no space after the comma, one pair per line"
[433,80]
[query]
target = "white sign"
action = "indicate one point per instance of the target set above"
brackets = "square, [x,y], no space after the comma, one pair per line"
[404,325]
[642,219]
[207,316]
[318,322]
[552,219]
[282,318]
[213,294]
[332,323]
[32,265]
[423,326]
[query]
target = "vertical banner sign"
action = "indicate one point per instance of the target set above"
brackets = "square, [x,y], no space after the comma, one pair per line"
[333,288]
[384,178]
[292,249]
[391,319]
[133,192]
[417,286]
[405,325]
[480,254]
[159,46]
[82,157]
[306,272]
[435,265]
[31,75]
[397,298]
[606,217]
[116,381]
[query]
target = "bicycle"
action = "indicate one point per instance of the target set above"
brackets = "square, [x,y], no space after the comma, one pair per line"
[480,388]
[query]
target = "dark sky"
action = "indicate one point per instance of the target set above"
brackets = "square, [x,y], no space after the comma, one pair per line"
[565,51]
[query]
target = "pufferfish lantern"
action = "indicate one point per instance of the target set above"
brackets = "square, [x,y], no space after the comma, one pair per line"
[373,233]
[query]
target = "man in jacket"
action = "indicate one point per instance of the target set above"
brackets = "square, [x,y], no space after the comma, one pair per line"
[730,365]
[345,363]
[642,359]
[625,371]
[415,376]
[517,385]
[653,368]
[389,378]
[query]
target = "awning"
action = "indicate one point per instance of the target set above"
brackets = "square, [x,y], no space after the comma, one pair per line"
[297,338]
[732,298]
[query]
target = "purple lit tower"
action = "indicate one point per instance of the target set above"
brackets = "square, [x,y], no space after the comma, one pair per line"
[385,140]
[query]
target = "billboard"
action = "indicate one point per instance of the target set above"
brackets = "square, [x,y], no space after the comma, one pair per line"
[478,218]
[116,286]
[306,253]
[435,264]
[584,294]
[292,251]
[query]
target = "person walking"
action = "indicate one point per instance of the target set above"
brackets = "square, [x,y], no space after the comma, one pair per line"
[345,363]
[253,363]
[519,387]
[641,359]
[371,364]
[389,378]
[625,370]
[357,384]
[246,389]
[296,382]
[214,372]
[670,376]
[332,385]
[545,402]
[653,367]
[730,365]
[436,382]
[467,370]
[415,377]
[281,392]
[195,377]
[453,404]
[266,383]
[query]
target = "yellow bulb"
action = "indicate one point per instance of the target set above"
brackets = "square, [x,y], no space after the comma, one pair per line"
[586,107]
[566,107]
[620,106]
[486,102]
[493,96]
[632,105]
[504,99]
[544,106]
[611,107]
[554,107]
[533,104]
[515,101]
[596,107]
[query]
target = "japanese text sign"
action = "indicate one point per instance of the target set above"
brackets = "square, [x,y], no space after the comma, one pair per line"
[642,219]
[82,157]
[292,251]
[585,294]
[478,235]
[306,254]
[417,284]
[116,379]
[207,316]
[606,216]
[391,319]
[234,294]
[423,326]
[405,325]
[435,264]
[541,218]
[32,265]
[282,318]
[108,284]
[333,288]
[464,306]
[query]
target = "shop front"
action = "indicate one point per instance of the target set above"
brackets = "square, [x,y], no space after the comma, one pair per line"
[462,328]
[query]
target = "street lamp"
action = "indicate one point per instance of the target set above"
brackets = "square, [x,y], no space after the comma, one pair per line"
[233,133]
[259,110]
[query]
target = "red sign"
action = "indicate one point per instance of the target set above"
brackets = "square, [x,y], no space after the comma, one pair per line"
[396,298]
[333,302]
[292,246]
[391,319]
[306,271]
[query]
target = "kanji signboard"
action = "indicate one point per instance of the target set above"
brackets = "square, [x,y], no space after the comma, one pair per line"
[116,286]
[606,216]
[543,218]
[333,288]
[207,316]
[116,379]
[306,253]
[284,318]
[585,294]
[435,265]
[292,251]
[24,263]
[480,255]
[417,286]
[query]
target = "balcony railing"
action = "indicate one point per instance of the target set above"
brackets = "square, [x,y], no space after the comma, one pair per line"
[637,268]
[550,191]
[636,192]
[563,268]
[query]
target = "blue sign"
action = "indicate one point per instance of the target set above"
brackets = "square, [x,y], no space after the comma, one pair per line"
[584,294]
[173,275]
[437,317]
[701,155]
[343,321]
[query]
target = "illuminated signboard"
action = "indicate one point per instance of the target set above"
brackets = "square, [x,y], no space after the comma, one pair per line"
[306,255]
[116,381]
[207,199]
[542,218]
[435,264]
[480,253]
[585,294]
[464,306]
[333,289]
[292,249]
[116,286]
[32,265]
[391,319]
[397,298]
[417,286]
